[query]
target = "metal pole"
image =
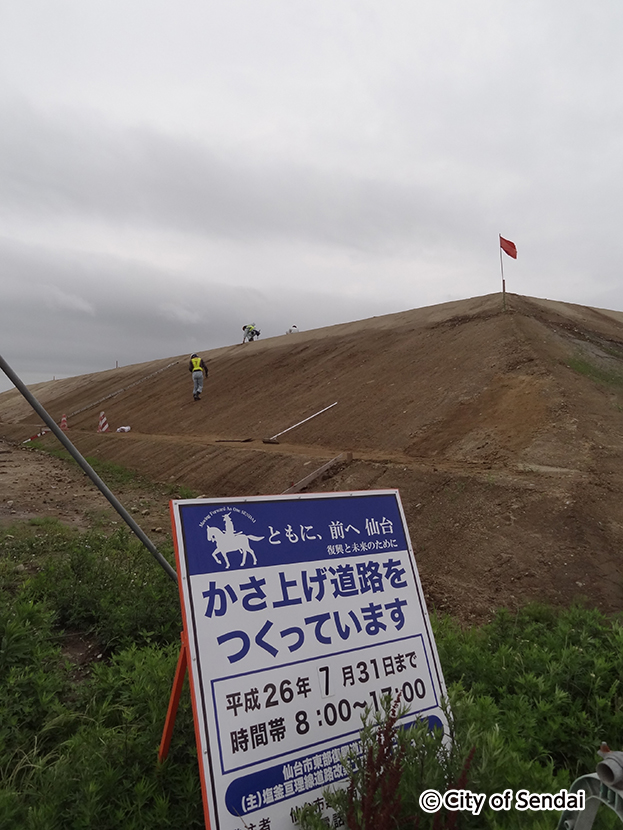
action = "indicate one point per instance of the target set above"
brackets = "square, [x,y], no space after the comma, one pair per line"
[82,462]
[503,280]
[303,421]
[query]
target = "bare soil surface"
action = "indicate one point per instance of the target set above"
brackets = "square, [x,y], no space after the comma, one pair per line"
[34,485]
[502,430]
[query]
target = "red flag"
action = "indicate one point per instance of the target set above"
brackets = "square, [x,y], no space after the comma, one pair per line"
[508,247]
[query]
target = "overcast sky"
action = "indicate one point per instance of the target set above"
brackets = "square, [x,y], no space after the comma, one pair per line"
[172,170]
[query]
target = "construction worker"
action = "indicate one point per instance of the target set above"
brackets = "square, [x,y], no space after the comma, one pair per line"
[250,332]
[198,369]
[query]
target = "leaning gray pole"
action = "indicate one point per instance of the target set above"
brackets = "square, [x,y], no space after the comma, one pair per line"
[127,518]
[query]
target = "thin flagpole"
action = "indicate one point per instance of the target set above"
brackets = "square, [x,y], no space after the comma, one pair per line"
[502,270]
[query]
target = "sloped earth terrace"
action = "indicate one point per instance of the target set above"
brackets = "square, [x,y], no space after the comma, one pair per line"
[502,431]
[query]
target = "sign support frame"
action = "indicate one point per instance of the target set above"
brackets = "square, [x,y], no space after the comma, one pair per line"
[208,590]
[174,700]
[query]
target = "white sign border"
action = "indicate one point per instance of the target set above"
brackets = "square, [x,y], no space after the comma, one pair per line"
[199,695]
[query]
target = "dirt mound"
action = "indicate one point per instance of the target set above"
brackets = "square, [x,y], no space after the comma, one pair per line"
[501,429]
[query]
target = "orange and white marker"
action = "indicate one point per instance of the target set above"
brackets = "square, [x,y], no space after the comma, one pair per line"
[63,423]
[103,424]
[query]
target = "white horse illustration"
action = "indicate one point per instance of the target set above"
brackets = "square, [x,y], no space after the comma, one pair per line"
[231,540]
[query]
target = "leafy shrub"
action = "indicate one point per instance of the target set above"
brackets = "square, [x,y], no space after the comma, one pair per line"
[553,674]
[111,586]
[30,679]
[398,765]
[104,773]
[532,696]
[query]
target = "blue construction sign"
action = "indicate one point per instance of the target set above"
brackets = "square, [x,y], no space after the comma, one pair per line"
[301,612]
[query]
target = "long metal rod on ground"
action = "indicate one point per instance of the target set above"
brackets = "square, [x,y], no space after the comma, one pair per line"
[82,462]
[272,437]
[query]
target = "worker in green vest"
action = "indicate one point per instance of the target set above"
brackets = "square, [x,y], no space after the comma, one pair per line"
[198,369]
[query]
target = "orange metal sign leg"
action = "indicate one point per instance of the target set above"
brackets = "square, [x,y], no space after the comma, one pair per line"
[176,691]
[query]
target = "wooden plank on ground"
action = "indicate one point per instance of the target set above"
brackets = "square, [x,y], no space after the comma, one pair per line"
[232,440]
[300,485]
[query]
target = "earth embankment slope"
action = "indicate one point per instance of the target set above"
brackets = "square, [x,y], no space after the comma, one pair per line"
[501,429]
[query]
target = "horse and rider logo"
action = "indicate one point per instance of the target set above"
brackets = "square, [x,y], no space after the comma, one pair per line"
[231,541]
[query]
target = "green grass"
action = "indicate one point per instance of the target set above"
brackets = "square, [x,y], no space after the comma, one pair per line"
[79,751]
[601,376]
[50,522]
[533,693]
[108,585]
[179,491]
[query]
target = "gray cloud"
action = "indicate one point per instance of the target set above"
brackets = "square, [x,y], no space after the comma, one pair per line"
[164,176]
[64,165]
[54,323]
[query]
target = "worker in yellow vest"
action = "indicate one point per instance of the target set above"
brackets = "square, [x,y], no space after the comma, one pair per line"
[250,332]
[198,369]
